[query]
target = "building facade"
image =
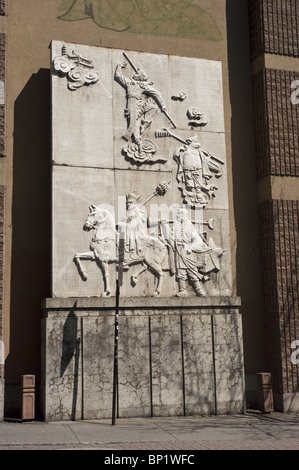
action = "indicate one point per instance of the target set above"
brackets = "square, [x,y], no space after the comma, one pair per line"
[256,42]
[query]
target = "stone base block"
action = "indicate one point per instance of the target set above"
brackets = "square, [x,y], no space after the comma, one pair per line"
[28,397]
[175,357]
[286,402]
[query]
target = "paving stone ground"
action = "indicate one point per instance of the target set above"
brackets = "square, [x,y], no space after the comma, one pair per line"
[252,431]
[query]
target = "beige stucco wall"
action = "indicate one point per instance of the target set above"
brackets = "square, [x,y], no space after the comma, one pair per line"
[31,26]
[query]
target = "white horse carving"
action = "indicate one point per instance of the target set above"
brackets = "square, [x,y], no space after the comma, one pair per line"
[104,249]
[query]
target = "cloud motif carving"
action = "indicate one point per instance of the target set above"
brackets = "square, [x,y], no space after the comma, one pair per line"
[78,70]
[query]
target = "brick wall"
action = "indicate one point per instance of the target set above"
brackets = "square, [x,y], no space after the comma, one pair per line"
[276,123]
[280,241]
[274,27]
[286,238]
[274,30]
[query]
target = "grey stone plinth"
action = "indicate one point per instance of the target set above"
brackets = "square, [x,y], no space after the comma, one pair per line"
[175,357]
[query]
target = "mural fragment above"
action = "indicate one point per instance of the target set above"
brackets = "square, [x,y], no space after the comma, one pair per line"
[164,18]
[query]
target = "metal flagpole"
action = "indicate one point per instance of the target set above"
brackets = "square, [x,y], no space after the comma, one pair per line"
[119,281]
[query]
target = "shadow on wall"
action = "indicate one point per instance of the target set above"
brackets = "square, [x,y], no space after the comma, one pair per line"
[71,345]
[245,182]
[31,234]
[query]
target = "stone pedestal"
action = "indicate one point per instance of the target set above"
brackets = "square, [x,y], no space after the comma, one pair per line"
[28,397]
[265,393]
[176,357]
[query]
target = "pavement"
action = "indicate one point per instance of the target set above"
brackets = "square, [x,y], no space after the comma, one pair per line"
[165,436]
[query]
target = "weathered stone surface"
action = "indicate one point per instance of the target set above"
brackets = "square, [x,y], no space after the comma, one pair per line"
[229,373]
[167,371]
[52,306]
[97,357]
[62,367]
[167,359]
[198,365]
[134,376]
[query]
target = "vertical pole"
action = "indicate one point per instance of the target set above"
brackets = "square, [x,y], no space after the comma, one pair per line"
[214,364]
[119,279]
[115,370]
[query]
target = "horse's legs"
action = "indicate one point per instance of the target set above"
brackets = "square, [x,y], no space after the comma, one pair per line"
[77,260]
[105,269]
[156,268]
[160,275]
[157,271]
[134,276]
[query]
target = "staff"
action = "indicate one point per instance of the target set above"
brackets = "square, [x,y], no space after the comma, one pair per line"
[166,133]
[137,71]
[159,191]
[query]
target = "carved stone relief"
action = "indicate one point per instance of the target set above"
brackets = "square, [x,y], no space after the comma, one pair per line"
[134,200]
[195,171]
[143,102]
[139,247]
[196,117]
[176,250]
[181,96]
[189,256]
[78,70]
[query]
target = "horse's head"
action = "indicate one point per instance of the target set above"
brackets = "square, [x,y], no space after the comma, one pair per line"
[94,218]
[102,221]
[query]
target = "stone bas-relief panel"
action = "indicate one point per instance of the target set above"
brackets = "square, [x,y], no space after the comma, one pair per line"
[82,134]
[139,155]
[139,195]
